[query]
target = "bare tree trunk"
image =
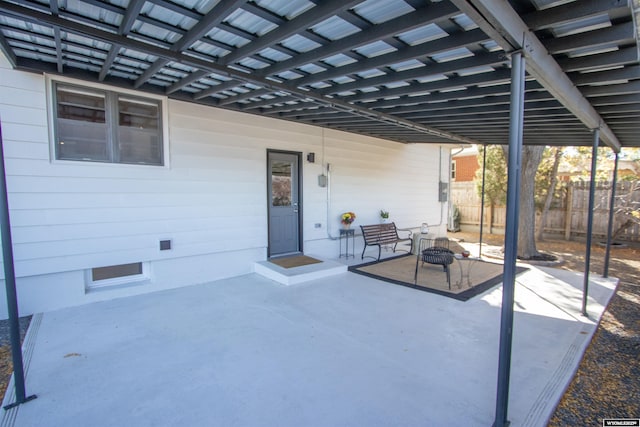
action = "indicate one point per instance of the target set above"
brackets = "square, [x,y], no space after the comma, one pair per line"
[531,157]
[491,212]
[550,192]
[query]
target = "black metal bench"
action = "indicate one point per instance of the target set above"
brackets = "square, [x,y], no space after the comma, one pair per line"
[381,234]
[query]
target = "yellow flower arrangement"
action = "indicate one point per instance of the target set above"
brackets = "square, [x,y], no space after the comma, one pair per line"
[347,218]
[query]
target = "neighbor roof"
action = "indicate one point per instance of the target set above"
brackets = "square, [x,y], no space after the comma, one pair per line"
[406,70]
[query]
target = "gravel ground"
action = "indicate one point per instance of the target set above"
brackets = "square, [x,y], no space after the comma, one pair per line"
[6,364]
[606,384]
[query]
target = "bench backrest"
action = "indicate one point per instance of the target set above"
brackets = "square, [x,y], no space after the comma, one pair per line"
[379,233]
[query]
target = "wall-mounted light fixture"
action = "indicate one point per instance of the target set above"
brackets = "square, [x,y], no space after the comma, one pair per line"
[311,157]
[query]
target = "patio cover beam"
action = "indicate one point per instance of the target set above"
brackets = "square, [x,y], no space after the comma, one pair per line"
[423,51]
[221,87]
[540,19]
[133,10]
[436,69]
[435,102]
[621,89]
[317,14]
[452,82]
[361,38]
[57,39]
[185,81]
[205,24]
[618,58]
[277,99]
[622,33]
[506,27]
[626,73]
[5,48]
[473,95]
[171,55]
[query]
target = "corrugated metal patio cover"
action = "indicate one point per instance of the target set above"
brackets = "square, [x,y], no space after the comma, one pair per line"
[408,71]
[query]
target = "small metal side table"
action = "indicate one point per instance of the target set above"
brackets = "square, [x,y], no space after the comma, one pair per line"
[466,266]
[346,233]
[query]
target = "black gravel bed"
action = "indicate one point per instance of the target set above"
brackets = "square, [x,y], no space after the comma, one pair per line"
[607,384]
[5,332]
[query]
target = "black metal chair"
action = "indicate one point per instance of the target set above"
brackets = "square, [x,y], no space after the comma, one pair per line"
[437,252]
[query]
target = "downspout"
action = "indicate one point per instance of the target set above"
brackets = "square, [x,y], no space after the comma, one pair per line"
[450,202]
[329,200]
[439,188]
[484,173]
[328,186]
[446,203]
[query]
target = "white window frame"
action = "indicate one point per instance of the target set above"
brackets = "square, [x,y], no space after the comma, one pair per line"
[453,170]
[51,108]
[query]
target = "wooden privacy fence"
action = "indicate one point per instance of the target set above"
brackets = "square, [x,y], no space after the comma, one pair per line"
[567,216]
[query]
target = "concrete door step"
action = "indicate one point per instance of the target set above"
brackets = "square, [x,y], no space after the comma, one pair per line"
[295,275]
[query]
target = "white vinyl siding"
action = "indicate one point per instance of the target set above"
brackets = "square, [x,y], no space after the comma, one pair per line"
[210,198]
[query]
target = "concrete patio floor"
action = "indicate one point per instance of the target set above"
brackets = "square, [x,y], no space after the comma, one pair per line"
[345,350]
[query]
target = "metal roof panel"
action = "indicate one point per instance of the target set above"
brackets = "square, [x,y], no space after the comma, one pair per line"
[376,48]
[90,11]
[378,11]
[422,34]
[286,8]
[335,28]
[299,43]
[249,22]
[394,75]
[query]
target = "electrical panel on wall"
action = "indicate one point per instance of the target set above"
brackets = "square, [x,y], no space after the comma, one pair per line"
[443,195]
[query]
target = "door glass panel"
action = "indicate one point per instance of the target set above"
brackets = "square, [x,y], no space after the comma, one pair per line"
[281,183]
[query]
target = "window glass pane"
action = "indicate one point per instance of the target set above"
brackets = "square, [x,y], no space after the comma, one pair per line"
[81,129]
[115,271]
[75,104]
[281,183]
[139,131]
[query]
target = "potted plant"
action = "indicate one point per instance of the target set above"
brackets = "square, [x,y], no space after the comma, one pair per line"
[347,218]
[384,216]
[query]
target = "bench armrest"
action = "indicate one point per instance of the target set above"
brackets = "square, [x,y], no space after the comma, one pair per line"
[409,232]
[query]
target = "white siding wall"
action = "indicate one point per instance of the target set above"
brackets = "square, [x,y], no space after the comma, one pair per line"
[210,200]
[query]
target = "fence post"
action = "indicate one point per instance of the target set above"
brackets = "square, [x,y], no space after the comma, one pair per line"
[568,212]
